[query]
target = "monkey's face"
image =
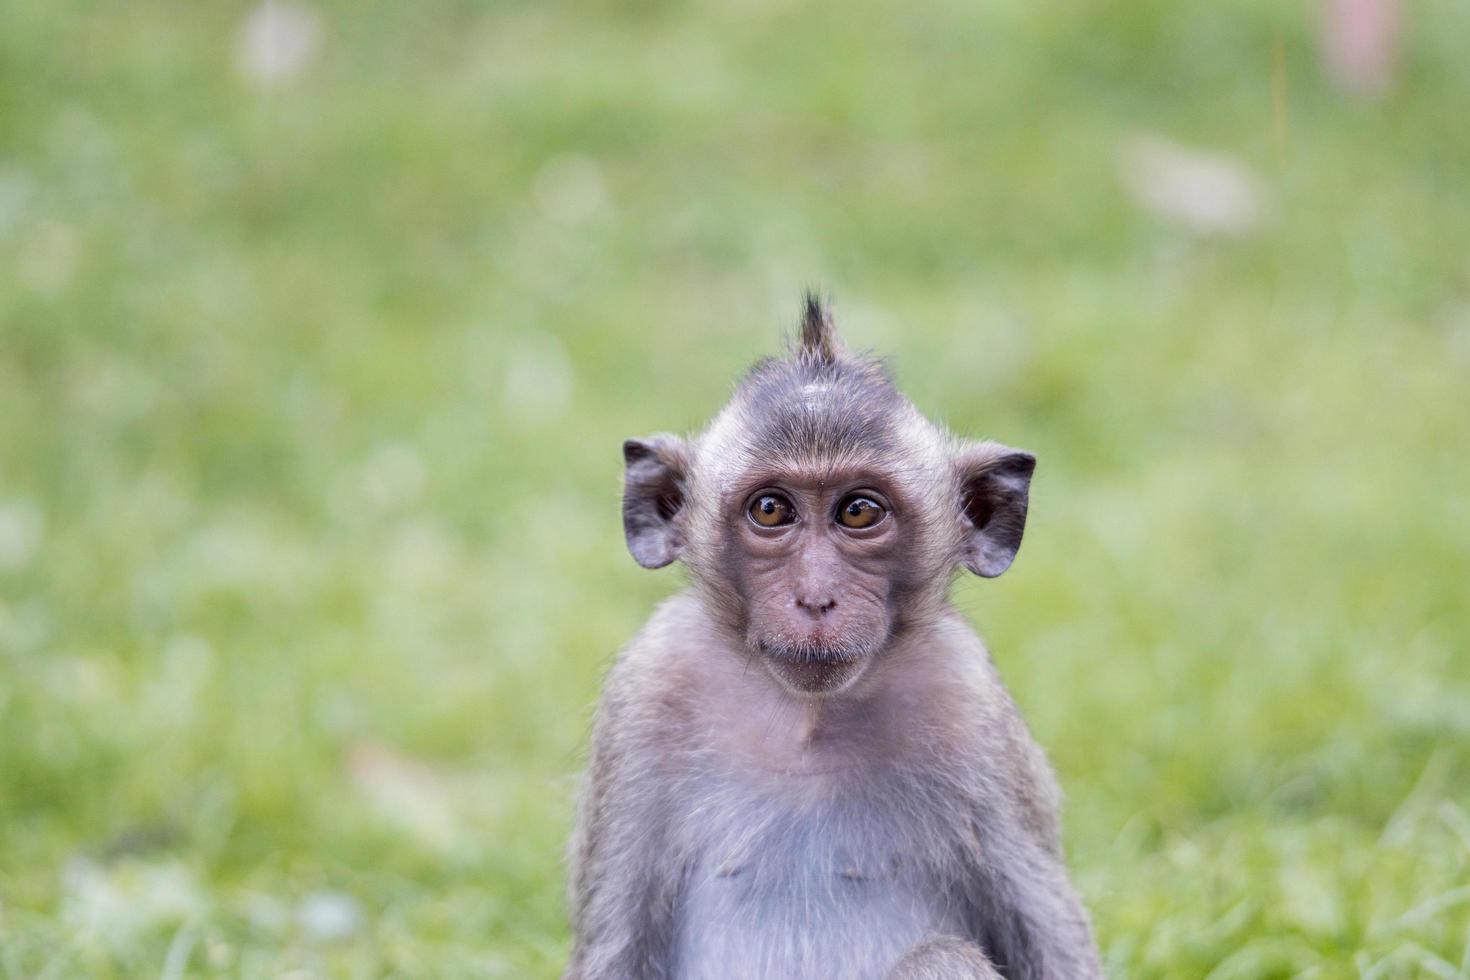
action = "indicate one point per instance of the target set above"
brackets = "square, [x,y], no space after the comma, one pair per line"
[820,512]
[815,566]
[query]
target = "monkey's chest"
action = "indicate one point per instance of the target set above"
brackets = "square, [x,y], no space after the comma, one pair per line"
[795,892]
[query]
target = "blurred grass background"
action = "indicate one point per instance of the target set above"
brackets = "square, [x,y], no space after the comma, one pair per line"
[320,326]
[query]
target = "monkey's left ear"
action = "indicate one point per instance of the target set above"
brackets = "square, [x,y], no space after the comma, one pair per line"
[995,487]
[653,495]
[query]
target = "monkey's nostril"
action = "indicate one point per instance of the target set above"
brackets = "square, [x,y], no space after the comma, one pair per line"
[815,607]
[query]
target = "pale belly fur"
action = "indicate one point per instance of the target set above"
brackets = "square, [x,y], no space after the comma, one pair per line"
[820,889]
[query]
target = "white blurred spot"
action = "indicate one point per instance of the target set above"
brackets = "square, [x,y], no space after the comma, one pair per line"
[123,901]
[539,379]
[404,790]
[21,529]
[569,189]
[277,41]
[328,916]
[48,258]
[1206,192]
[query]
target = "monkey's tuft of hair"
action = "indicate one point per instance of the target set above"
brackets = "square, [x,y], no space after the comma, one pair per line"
[819,342]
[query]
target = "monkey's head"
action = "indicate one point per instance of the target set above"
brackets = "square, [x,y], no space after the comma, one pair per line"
[820,512]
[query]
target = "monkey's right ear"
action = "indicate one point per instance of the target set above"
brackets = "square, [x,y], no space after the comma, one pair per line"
[653,496]
[995,490]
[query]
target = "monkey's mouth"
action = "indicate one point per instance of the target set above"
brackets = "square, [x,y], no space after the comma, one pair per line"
[815,645]
[811,669]
[813,653]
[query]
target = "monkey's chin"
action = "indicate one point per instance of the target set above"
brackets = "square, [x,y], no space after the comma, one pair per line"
[808,672]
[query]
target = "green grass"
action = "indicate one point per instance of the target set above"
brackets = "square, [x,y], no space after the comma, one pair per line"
[311,397]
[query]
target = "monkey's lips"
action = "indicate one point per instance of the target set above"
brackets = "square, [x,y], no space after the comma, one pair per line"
[807,668]
[809,651]
[825,643]
[816,661]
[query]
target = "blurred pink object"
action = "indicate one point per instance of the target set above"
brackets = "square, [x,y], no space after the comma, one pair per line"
[1360,44]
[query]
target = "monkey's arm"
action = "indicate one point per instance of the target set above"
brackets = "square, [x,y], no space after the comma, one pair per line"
[625,879]
[1024,911]
[1020,902]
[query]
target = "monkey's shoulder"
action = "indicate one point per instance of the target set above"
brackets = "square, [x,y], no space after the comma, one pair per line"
[675,621]
[960,717]
[648,685]
[675,625]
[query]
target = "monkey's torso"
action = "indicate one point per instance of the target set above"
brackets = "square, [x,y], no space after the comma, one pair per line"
[817,888]
[816,839]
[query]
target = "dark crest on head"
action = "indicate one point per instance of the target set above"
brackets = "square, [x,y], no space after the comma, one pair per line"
[818,334]
[822,400]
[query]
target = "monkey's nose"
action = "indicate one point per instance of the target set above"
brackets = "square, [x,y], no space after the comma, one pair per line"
[816,606]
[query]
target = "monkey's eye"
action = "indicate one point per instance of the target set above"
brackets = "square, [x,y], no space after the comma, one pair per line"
[858,511]
[771,510]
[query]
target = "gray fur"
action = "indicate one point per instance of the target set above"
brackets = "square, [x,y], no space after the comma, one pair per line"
[944,958]
[899,822]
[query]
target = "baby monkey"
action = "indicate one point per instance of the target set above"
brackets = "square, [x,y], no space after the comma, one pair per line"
[805,767]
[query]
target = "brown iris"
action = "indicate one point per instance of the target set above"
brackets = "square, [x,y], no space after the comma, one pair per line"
[771,510]
[859,512]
